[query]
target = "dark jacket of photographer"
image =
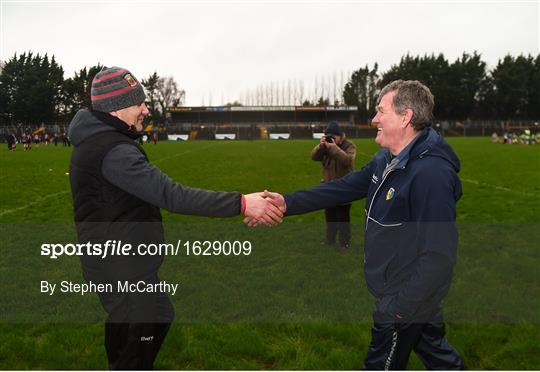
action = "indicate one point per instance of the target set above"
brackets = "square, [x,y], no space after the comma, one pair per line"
[337,161]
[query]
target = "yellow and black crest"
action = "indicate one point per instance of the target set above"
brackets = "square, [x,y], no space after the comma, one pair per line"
[130,80]
[390,193]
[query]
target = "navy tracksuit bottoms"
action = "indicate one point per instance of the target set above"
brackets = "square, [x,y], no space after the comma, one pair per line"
[392,343]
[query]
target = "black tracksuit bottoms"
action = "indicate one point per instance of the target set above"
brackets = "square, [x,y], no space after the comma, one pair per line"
[392,343]
[136,327]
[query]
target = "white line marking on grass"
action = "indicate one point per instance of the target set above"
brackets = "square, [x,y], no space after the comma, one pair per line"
[180,154]
[478,183]
[66,191]
[32,203]
[496,187]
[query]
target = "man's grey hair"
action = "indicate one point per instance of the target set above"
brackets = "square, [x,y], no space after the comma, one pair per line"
[411,94]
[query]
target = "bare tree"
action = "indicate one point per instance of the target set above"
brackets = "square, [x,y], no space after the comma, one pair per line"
[163,92]
[267,91]
[334,87]
[323,86]
[289,92]
[248,98]
[301,93]
[315,96]
[259,95]
[295,91]
[341,86]
[169,94]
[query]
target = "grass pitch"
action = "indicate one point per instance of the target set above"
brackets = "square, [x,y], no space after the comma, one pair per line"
[317,295]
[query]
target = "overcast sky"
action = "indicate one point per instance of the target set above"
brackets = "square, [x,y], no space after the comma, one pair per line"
[218,50]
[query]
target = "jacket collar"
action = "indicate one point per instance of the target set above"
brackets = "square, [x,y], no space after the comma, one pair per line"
[407,152]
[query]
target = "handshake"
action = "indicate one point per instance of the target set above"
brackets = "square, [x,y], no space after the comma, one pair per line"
[264,208]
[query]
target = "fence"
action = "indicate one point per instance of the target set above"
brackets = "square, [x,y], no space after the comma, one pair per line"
[252,131]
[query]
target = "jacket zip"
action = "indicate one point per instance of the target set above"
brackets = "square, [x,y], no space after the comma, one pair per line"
[371,204]
[374,195]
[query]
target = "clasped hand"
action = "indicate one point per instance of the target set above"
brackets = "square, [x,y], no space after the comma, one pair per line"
[264,208]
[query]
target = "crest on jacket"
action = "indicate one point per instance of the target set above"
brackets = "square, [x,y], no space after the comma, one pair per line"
[390,193]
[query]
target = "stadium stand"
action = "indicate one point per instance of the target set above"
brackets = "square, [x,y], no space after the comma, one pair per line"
[261,122]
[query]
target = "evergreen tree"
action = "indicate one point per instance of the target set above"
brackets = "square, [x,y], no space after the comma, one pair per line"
[467,80]
[512,86]
[77,90]
[361,91]
[32,88]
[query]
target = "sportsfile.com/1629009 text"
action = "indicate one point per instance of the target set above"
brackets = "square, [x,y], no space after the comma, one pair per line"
[117,248]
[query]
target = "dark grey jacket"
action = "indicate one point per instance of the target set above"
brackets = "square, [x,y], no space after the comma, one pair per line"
[126,167]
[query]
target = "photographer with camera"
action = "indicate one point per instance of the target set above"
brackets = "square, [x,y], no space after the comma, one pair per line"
[337,156]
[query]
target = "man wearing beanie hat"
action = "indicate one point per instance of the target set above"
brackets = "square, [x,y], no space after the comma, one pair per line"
[337,156]
[117,196]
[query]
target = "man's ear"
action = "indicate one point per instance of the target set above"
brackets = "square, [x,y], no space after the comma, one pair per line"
[407,117]
[114,113]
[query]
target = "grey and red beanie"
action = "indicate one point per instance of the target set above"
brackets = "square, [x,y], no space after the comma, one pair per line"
[115,88]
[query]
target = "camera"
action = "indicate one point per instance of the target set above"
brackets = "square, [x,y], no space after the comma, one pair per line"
[329,139]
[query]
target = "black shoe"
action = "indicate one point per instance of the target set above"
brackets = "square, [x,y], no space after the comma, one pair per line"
[344,246]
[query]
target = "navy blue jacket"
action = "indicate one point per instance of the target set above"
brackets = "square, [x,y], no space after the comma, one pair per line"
[410,238]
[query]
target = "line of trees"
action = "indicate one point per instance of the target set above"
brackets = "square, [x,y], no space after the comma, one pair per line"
[295,92]
[463,89]
[33,90]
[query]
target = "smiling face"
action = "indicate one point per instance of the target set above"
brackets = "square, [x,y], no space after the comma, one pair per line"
[391,126]
[132,115]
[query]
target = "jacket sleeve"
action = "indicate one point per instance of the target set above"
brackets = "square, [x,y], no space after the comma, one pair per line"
[125,167]
[345,158]
[318,153]
[433,199]
[344,190]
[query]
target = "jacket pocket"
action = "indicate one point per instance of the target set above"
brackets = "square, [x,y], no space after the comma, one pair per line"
[382,246]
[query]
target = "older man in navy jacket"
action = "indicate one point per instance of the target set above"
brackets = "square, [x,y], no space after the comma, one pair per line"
[411,189]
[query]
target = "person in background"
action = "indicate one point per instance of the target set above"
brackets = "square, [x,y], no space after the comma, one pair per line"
[11,141]
[336,155]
